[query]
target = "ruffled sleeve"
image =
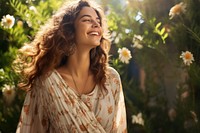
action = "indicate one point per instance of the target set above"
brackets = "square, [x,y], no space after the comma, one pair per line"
[33,117]
[119,122]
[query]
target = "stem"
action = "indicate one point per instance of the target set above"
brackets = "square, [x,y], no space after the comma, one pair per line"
[195,36]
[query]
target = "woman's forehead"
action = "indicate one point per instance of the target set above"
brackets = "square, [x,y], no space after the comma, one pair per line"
[88,11]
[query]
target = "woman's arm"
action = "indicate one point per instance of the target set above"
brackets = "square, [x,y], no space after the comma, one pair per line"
[119,123]
[33,117]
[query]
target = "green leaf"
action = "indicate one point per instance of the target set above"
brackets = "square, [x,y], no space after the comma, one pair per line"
[165,36]
[158,25]
[162,31]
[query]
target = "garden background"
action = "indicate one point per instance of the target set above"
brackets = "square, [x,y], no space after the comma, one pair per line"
[155,48]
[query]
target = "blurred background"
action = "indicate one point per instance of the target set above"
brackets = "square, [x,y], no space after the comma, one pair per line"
[155,48]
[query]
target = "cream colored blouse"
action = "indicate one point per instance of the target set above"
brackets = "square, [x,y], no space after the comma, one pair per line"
[53,107]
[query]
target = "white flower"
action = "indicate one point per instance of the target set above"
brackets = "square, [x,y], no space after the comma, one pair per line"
[177,9]
[124,55]
[137,41]
[32,8]
[187,57]
[2,73]
[137,37]
[29,23]
[7,21]
[118,37]
[137,45]
[8,93]
[29,1]
[138,119]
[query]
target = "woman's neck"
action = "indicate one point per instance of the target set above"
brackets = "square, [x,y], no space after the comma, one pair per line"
[78,64]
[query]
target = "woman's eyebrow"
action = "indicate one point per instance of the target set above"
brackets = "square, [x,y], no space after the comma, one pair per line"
[88,16]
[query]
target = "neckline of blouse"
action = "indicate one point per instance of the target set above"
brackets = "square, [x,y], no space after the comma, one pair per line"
[78,95]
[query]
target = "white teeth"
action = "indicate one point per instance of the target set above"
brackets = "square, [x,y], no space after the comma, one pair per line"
[94,33]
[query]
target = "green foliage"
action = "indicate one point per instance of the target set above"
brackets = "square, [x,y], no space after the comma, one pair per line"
[189,23]
[35,15]
[112,23]
[154,58]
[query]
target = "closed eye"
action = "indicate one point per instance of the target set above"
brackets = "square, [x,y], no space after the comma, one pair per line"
[90,21]
[87,20]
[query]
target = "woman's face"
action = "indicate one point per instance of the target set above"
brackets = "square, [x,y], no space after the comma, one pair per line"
[88,30]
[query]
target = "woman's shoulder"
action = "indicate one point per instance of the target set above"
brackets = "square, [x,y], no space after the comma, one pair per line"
[113,80]
[44,80]
[113,73]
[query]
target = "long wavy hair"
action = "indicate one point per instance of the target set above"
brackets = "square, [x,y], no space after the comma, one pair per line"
[55,42]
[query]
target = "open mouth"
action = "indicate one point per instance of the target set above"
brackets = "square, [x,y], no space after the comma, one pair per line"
[94,33]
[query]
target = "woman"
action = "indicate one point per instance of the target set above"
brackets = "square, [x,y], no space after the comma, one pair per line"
[71,89]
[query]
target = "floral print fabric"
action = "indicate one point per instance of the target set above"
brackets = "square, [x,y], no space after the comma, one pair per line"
[53,107]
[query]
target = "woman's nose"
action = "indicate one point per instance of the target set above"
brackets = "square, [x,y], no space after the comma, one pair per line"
[95,24]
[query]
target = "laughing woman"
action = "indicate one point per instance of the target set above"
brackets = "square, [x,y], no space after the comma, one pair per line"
[70,87]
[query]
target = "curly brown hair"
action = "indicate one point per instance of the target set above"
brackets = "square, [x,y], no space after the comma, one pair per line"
[55,42]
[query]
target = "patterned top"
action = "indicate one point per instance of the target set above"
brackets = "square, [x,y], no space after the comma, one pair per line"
[53,107]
